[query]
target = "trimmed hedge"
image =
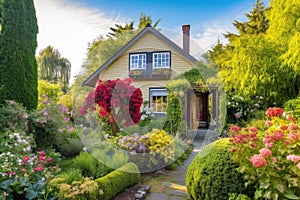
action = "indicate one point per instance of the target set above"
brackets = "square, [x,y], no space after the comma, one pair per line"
[116,181]
[212,174]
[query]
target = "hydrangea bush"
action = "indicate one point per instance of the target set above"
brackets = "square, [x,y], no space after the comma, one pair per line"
[270,158]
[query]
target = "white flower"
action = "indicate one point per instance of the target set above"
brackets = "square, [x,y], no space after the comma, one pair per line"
[84,149]
[8,153]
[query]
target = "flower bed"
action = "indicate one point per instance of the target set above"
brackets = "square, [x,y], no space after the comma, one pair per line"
[270,158]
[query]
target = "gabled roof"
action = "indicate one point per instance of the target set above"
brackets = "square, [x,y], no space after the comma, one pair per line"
[92,79]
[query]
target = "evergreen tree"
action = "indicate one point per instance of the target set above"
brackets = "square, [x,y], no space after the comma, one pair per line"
[18,42]
[257,22]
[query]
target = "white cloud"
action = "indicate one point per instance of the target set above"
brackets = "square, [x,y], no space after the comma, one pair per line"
[69,28]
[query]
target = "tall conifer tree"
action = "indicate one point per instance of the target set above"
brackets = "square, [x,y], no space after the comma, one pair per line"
[18,43]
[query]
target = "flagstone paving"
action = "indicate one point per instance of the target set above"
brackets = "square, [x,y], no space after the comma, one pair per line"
[172,185]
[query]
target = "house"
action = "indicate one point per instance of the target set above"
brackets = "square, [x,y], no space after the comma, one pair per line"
[153,60]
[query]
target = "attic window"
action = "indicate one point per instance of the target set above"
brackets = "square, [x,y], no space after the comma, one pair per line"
[137,61]
[161,60]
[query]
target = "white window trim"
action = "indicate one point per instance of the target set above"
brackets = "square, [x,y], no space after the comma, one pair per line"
[157,92]
[161,67]
[144,63]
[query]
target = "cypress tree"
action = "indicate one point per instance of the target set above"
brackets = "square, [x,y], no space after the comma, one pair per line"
[18,43]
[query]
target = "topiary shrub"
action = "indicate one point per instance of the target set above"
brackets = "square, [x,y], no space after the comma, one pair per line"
[118,180]
[212,174]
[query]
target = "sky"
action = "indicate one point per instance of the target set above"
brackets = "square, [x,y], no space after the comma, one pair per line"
[70,25]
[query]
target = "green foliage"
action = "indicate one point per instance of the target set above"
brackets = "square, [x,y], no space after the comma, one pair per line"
[265,52]
[71,185]
[51,90]
[238,197]
[90,166]
[118,180]
[70,147]
[18,42]
[293,106]
[174,114]
[212,174]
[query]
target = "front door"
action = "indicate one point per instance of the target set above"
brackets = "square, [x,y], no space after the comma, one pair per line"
[202,99]
[197,112]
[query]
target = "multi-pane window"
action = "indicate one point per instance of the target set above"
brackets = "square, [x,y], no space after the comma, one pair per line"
[161,60]
[158,100]
[137,61]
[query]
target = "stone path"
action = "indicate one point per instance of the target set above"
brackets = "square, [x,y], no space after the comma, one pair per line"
[172,186]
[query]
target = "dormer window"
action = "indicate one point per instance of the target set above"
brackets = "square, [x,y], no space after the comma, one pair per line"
[137,61]
[161,60]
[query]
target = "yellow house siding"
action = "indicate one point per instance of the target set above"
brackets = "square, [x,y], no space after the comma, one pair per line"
[148,43]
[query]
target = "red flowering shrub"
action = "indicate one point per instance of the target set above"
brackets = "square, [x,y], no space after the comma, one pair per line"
[271,157]
[119,101]
[89,103]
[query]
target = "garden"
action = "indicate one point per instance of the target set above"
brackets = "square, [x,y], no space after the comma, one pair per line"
[95,153]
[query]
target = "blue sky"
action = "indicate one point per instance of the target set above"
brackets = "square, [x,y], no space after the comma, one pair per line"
[69,25]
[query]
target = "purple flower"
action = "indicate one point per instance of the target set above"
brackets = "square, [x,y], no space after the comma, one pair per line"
[44,96]
[25,116]
[60,130]
[11,102]
[133,152]
[45,113]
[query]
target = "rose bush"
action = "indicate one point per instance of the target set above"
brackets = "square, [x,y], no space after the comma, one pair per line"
[24,173]
[270,158]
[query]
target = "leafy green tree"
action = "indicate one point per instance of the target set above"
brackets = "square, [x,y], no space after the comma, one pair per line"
[120,29]
[54,68]
[145,20]
[263,60]
[18,42]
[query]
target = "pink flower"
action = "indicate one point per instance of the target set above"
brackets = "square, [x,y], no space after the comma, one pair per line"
[291,118]
[234,128]
[283,128]
[42,153]
[237,115]
[253,129]
[239,139]
[11,102]
[274,112]
[293,158]
[268,123]
[45,114]
[42,158]
[44,96]
[274,159]
[60,130]
[23,170]
[233,149]
[293,136]
[265,152]
[25,116]
[268,141]
[49,160]
[39,168]
[293,127]
[26,158]
[258,161]
[287,142]
[278,135]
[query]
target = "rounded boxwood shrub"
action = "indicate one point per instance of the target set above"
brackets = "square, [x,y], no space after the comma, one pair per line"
[212,174]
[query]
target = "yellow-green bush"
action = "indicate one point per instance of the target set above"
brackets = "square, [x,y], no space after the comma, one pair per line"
[213,175]
[160,144]
[118,180]
[72,185]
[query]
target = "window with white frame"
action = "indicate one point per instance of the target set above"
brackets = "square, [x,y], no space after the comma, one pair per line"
[161,60]
[137,61]
[158,100]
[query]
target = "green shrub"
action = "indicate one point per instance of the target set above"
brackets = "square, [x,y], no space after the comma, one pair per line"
[71,147]
[118,180]
[293,106]
[90,166]
[212,174]
[238,197]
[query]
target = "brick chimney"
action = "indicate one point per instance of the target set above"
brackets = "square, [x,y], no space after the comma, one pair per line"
[186,38]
